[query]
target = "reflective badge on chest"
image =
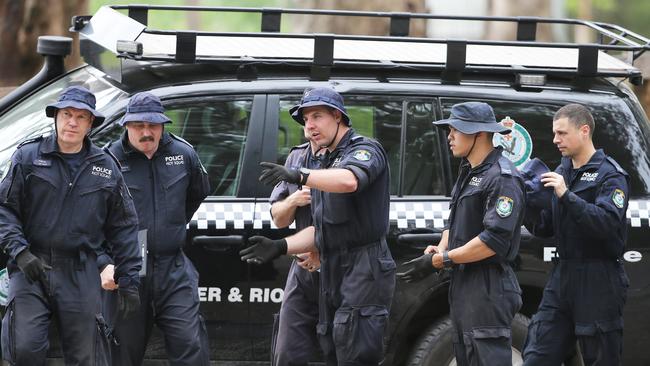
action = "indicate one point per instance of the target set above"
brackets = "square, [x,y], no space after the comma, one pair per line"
[504,206]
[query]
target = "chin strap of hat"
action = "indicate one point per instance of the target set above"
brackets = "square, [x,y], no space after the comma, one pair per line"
[338,124]
[472,148]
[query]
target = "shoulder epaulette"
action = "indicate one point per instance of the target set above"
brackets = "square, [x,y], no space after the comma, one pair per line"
[29,141]
[181,140]
[616,165]
[301,146]
[356,137]
[505,165]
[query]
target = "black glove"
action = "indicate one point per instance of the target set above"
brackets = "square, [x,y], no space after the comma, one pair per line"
[273,174]
[128,301]
[422,267]
[32,266]
[263,250]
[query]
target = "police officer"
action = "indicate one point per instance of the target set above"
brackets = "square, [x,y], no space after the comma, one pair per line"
[487,209]
[350,206]
[295,340]
[168,183]
[61,199]
[586,292]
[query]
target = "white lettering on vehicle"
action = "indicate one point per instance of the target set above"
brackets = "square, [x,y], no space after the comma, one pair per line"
[631,256]
[235,295]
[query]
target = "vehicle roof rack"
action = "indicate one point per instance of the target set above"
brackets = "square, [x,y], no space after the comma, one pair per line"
[128,37]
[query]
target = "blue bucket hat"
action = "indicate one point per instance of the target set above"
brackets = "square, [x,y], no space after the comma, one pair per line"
[537,196]
[319,96]
[76,97]
[144,107]
[473,117]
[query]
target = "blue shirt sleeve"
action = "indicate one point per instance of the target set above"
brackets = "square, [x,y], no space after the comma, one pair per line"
[366,159]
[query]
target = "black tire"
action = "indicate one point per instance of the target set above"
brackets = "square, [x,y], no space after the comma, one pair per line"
[434,347]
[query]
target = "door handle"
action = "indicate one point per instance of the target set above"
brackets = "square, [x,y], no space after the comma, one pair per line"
[425,238]
[219,243]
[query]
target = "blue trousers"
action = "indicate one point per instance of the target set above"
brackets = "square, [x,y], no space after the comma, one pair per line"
[70,297]
[169,299]
[295,341]
[355,296]
[582,301]
[483,300]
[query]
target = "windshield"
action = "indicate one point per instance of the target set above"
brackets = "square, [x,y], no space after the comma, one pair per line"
[27,119]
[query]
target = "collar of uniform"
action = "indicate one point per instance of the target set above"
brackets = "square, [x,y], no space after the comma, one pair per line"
[594,162]
[50,146]
[489,160]
[345,140]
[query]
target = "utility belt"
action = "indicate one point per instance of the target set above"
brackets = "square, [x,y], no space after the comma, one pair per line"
[466,267]
[347,249]
[51,255]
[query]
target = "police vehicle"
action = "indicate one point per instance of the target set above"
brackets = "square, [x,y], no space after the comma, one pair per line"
[228,94]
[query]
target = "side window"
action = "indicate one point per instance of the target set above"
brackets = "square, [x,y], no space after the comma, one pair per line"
[422,152]
[216,128]
[381,118]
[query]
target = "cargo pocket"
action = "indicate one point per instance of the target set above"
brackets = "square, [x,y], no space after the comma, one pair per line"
[488,346]
[601,341]
[539,329]
[359,334]
[103,337]
[274,336]
[175,199]
[8,335]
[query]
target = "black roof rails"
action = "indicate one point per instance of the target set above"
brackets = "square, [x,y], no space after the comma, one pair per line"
[323,56]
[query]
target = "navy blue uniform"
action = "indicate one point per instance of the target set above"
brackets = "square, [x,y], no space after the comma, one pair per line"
[295,340]
[357,270]
[166,190]
[63,219]
[487,201]
[586,292]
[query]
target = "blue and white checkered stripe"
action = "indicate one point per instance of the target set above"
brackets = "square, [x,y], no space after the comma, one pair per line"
[403,215]
[638,213]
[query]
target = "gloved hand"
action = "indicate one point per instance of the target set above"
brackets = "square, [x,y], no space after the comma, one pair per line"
[128,301]
[32,266]
[273,174]
[263,250]
[422,267]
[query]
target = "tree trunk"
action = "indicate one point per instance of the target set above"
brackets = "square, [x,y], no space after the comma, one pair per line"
[508,30]
[21,22]
[357,25]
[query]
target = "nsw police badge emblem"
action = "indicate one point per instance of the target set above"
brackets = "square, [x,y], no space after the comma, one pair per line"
[504,206]
[618,198]
[362,155]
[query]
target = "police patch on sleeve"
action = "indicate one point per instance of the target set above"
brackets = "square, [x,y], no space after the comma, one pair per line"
[504,206]
[618,197]
[362,155]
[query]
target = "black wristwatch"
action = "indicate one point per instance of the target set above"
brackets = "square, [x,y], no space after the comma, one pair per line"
[446,261]
[304,172]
